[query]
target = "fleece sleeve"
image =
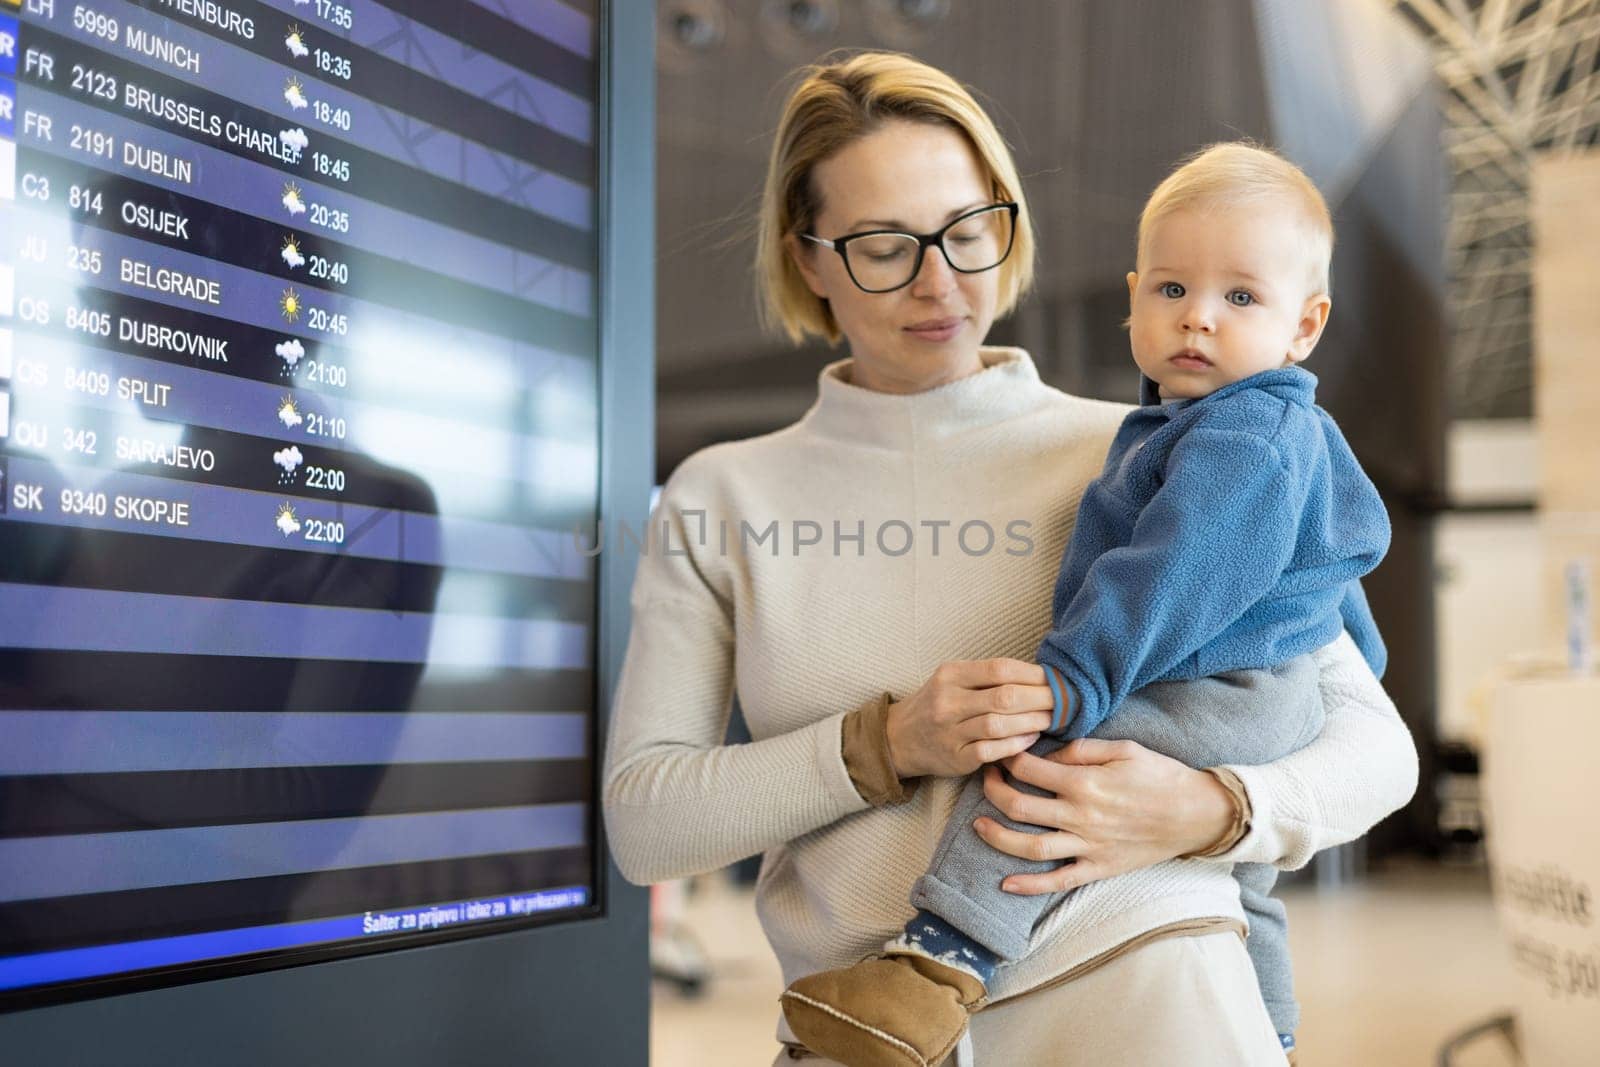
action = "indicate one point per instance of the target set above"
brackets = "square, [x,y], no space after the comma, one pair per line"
[1212,540]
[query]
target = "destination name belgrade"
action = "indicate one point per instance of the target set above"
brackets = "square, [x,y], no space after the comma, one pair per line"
[840,537]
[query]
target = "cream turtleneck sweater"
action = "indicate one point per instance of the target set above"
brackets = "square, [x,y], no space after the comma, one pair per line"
[807,632]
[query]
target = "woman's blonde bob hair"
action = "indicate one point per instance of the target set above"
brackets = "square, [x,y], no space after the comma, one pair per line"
[838,102]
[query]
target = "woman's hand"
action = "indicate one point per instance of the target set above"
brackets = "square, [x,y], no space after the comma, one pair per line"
[1117,806]
[971,712]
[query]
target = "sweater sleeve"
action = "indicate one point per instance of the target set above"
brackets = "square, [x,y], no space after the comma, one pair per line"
[1211,542]
[1359,769]
[677,800]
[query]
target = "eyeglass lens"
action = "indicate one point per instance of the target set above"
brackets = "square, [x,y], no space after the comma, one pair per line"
[889,260]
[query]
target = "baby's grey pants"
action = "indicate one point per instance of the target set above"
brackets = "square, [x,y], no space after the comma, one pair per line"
[1243,717]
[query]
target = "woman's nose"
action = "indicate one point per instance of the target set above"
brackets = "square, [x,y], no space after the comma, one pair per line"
[935,277]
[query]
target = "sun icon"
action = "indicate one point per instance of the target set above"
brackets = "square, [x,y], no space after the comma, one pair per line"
[295,43]
[294,92]
[291,252]
[289,413]
[292,199]
[287,522]
[289,304]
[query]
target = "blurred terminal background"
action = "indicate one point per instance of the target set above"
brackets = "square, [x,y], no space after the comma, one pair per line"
[1455,141]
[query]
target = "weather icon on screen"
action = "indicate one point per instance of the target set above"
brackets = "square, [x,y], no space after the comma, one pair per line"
[291,352]
[295,45]
[292,199]
[289,413]
[288,461]
[291,253]
[286,522]
[294,139]
[289,304]
[295,94]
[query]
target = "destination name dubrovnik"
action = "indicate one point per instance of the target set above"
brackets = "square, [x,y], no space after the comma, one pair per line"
[194,117]
[167,339]
[173,282]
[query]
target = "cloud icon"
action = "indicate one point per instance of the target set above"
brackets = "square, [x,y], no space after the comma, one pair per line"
[286,522]
[295,94]
[290,351]
[288,414]
[291,254]
[289,459]
[295,45]
[294,138]
[292,200]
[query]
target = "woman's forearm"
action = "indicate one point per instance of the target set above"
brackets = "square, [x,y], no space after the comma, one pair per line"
[677,800]
[672,813]
[1359,769]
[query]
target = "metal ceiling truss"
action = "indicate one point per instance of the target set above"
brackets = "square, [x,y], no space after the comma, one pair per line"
[1522,79]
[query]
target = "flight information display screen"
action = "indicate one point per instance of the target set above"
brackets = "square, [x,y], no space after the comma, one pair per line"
[298,436]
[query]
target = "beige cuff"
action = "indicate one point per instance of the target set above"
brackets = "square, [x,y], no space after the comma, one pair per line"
[1241,815]
[864,744]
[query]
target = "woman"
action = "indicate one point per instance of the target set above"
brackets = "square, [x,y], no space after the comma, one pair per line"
[903,536]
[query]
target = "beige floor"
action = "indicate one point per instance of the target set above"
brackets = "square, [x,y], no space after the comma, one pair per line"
[1388,971]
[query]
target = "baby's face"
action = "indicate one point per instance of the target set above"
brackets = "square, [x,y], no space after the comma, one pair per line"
[1221,294]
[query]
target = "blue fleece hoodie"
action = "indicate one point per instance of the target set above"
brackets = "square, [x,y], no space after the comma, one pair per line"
[1226,532]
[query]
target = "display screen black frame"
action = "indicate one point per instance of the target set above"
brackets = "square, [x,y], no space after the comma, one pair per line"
[599,905]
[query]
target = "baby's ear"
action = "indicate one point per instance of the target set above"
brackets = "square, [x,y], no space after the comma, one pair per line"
[1313,320]
[1133,287]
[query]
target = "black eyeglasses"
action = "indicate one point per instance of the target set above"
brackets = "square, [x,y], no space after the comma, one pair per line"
[881,261]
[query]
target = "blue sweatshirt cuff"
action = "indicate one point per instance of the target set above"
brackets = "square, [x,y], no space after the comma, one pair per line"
[1058,691]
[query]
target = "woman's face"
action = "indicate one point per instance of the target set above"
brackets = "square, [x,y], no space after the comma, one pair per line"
[912,177]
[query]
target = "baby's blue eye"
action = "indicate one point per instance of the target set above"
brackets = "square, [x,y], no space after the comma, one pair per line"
[1171,290]
[1241,298]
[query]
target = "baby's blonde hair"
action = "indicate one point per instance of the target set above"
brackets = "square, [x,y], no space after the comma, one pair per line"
[836,103]
[1234,173]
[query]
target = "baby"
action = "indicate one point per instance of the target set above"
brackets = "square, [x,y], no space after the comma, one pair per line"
[1223,543]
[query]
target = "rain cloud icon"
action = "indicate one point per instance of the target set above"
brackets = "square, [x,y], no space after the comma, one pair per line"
[289,459]
[290,351]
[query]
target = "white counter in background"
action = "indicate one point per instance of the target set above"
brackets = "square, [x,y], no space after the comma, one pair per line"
[1542,792]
